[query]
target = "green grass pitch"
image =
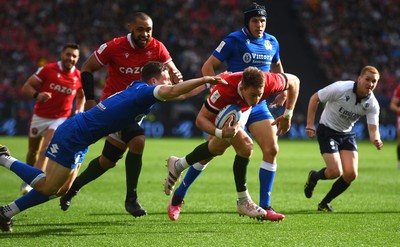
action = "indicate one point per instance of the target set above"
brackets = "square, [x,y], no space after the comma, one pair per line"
[368,212]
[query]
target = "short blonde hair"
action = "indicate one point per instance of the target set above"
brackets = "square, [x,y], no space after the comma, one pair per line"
[371,69]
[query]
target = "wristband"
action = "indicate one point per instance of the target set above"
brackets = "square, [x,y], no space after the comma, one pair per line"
[35,95]
[288,113]
[206,86]
[218,133]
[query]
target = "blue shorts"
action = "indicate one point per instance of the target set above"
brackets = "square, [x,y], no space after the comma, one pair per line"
[68,146]
[331,141]
[258,113]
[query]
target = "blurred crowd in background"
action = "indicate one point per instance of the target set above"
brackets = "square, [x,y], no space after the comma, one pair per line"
[345,35]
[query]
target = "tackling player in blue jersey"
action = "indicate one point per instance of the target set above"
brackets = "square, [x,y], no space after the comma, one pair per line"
[72,138]
[250,46]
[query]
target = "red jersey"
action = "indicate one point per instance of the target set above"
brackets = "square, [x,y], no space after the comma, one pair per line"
[62,85]
[396,94]
[225,94]
[125,61]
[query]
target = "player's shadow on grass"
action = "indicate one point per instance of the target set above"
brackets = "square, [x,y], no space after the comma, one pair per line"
[164,213]
[299,212]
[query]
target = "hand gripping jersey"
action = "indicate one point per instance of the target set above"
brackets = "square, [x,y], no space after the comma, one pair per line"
[125,61]
[62,85]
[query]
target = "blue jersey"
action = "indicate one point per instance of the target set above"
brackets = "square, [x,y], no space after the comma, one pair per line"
[118,111]
[240,50]
[71,139]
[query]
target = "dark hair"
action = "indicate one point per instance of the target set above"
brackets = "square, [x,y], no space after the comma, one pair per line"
[70,45]
[253,10]
[138,15]
[253,77]
[152,69]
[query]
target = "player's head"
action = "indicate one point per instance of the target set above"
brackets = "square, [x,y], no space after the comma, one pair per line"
[69,55]
[367,81]
[155,73]
[252,85]
[255,19]
[140,26]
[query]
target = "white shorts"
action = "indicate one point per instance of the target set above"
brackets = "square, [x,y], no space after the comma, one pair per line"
[244,117]
[117,136]
[39,125]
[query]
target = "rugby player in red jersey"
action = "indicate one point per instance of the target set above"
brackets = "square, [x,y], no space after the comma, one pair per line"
[54,86]
[245,89]
[125,57]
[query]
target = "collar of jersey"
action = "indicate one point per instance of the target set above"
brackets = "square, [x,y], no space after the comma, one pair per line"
[358,100]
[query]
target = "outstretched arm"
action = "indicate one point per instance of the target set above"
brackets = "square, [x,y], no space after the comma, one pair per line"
[176,92]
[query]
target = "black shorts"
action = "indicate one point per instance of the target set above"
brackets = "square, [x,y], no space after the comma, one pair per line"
[332,141]
[131,131]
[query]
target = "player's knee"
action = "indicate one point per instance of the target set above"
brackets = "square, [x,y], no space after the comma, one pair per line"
[246,149]
[136,144]
[110,155]
[348,178]
[106,163]
[270,151]
[46,189]
[217,150]
[333,173]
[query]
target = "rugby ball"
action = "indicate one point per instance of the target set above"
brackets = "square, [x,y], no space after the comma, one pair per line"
[225,113]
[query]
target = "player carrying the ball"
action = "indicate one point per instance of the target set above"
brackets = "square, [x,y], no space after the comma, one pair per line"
[245,89]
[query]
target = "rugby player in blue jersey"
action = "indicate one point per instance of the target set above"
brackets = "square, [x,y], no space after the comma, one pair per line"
[72,138]
[251,46]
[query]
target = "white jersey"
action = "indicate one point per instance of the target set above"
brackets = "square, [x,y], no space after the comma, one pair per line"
[343,109]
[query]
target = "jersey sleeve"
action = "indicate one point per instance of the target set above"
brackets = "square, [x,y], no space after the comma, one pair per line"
[164,55]
[104,53]
[156,95]
[41,72]
[330,92]
[224,49]
[276,57]
[219,97]
[372,115]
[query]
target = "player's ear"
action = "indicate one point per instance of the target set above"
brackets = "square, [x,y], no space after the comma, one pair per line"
[152,81]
